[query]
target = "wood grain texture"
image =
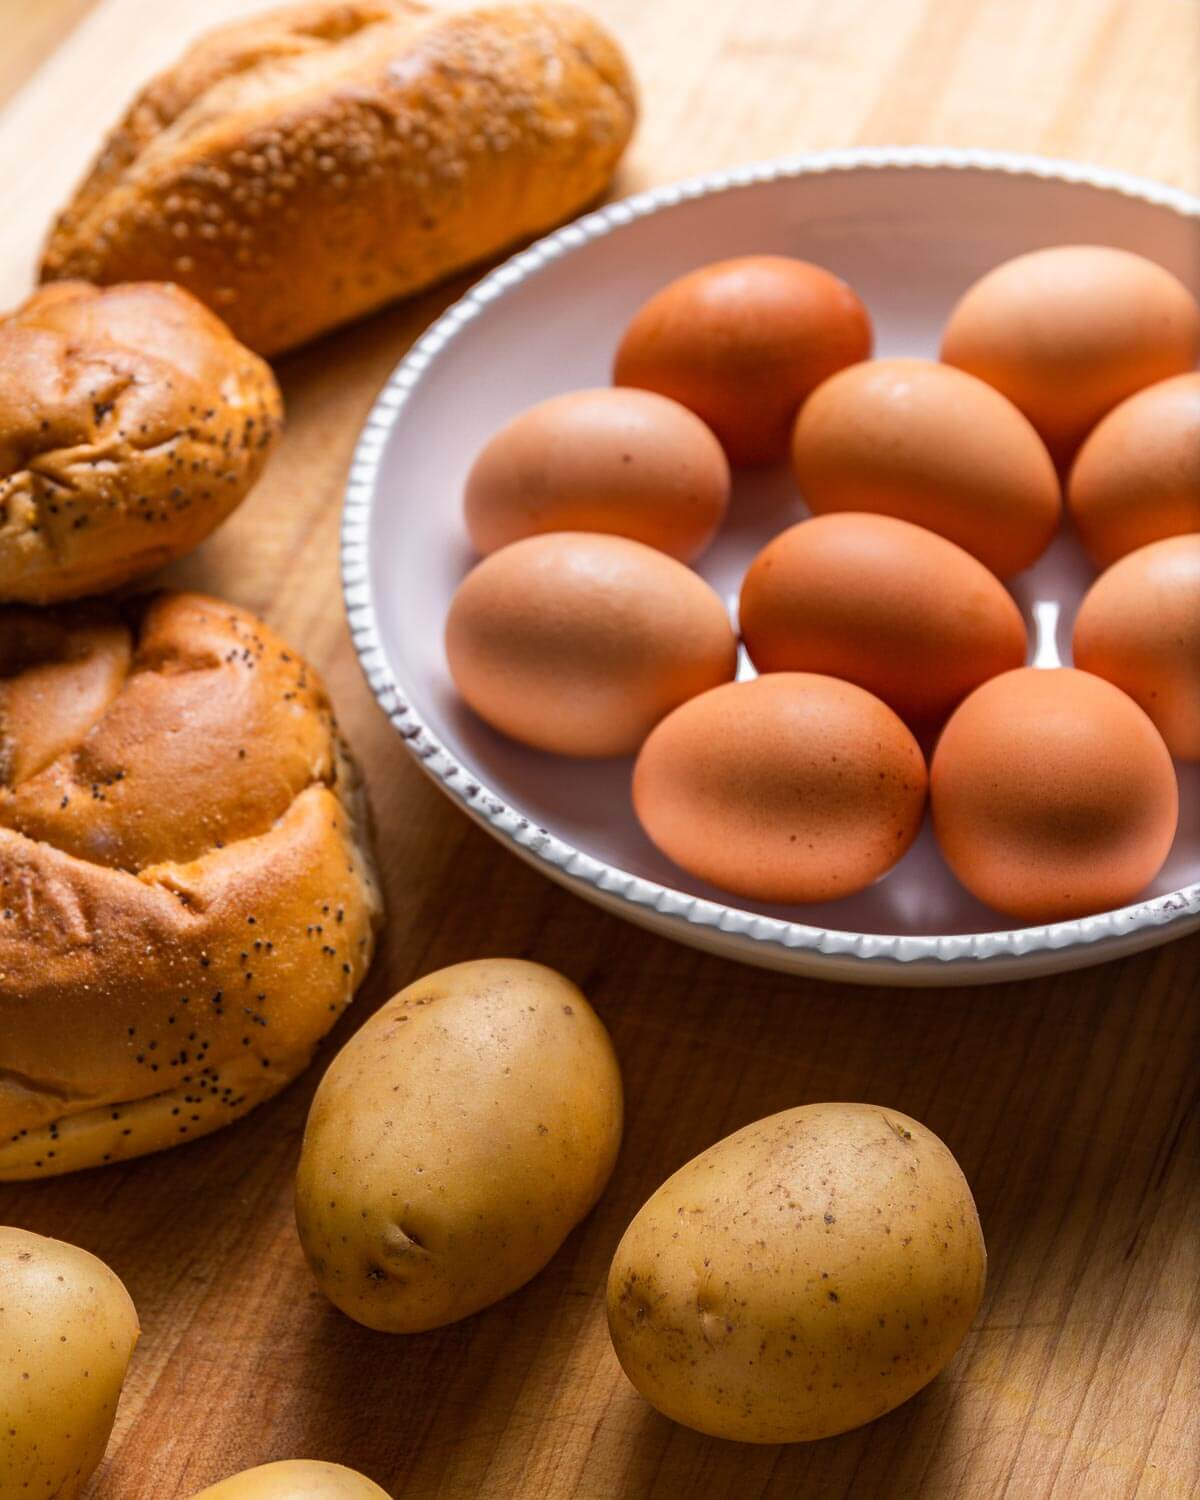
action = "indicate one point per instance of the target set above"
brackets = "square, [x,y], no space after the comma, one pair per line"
[29,31]
[1071,1103]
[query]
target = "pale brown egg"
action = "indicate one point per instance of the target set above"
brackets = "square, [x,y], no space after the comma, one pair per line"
[1053,795]
[927,443]
[1137,478]
[579,643]
[791,787]
[742,343]
[631,463]
[892,607]
[1139,628]
[1069,332]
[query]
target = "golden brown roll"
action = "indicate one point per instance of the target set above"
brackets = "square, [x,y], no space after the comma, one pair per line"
[301,167]
[131,423]
[187,900]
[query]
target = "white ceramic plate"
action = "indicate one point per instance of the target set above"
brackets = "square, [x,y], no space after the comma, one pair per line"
[909,229]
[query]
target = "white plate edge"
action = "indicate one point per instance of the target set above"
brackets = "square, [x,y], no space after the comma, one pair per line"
[571,866]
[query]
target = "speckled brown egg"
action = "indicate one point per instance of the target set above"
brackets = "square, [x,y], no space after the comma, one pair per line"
[895,608]
[801,1277]
[929,444]
[626,462]
[1053,795]
[742,343]
[1068,332]
[791,787]
[580,643]
[1137,478]
[1139,628]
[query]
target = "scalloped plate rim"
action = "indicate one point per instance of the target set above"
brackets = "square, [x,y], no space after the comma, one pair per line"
[959,958]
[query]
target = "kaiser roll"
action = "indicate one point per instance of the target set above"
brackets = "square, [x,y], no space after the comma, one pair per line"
[298,168]
[187,901]
[131,423]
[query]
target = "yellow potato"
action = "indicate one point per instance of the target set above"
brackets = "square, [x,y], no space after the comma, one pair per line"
[295,1479]
[800,1277]
[67,1329]
[455,1142]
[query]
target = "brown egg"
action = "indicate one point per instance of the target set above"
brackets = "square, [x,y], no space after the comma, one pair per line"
[631,463]
[1139,628]
[1053,795]
[1137,478]
[742,342]
[579,643]
[788,788]
[1066,333]
[892,607]
[930,444]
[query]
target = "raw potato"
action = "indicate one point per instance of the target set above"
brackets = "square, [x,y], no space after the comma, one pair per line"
[295,1479]
[67,1330]
[801,1277]
[455,1142]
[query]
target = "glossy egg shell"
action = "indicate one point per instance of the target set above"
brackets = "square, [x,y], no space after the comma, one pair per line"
[579,643]
[1137,478]
[930,444]
[630,463]
[791,787]
[741,343]
[1067,333]
[892,607]
[1139,628]
[1053,795]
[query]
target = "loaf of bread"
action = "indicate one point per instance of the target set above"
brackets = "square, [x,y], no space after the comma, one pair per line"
[187,901]
[302,167]
[131,423]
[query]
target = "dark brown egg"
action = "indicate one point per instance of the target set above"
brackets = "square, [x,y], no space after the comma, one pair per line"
[742,343]
[1053,795]
[895,608]
[1137,478]
[790,787]
[1139,628]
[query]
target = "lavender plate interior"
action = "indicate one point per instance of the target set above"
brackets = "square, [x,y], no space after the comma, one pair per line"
[909,229]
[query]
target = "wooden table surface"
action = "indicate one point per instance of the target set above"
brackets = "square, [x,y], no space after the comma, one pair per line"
[1070,1102]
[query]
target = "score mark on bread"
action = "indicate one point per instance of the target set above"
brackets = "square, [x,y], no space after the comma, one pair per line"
[302,167]
[187,898]
[132,423]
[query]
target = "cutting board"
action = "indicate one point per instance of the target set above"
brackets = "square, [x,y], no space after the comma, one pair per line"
[1070,1102]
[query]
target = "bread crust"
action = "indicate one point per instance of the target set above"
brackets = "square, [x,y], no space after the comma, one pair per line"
[132,423]
[187,895]
[303,167]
